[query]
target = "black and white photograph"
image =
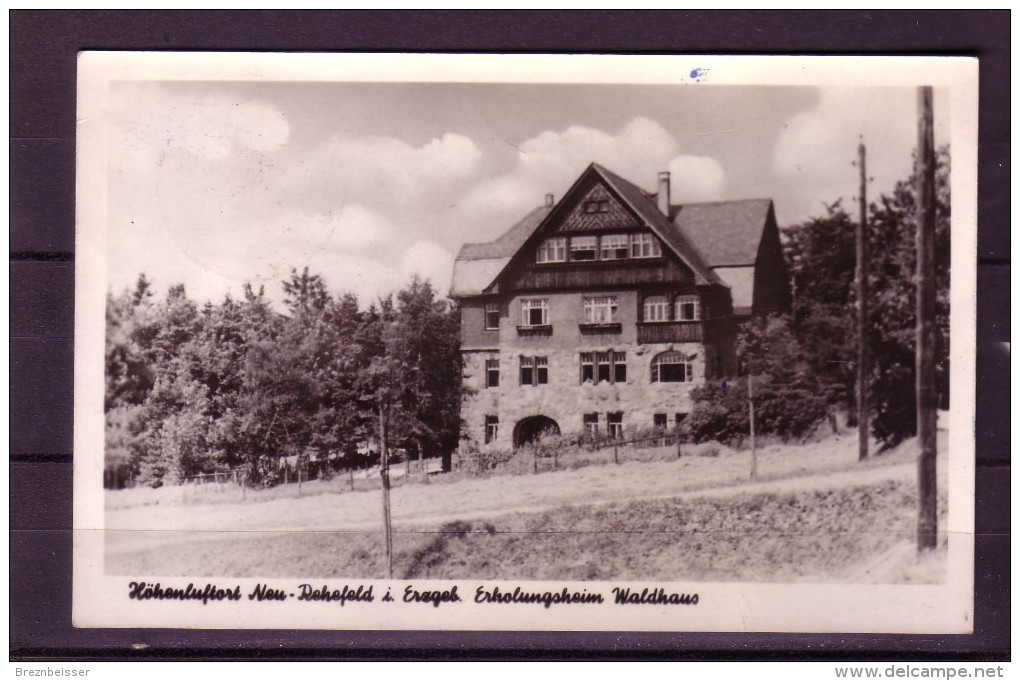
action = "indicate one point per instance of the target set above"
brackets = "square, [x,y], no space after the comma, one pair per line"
[525,342]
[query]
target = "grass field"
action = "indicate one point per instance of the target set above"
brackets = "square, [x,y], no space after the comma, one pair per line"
[814,514]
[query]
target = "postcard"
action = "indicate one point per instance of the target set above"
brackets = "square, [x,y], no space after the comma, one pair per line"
[525,342]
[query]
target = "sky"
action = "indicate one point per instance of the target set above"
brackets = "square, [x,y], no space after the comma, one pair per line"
[214,184]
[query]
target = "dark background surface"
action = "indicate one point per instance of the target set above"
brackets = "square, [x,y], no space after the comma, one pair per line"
[43,49]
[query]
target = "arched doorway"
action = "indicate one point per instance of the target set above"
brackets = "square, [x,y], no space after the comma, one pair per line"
[531,428]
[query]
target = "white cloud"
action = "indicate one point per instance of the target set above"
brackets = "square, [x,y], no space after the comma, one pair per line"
[384,173]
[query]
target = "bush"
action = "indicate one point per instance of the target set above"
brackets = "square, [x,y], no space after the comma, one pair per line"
[787,410]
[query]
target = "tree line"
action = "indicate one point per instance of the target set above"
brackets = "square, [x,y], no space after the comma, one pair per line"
[804,364]
[233,386]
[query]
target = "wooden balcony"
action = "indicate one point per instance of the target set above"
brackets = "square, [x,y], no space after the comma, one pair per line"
[671,332]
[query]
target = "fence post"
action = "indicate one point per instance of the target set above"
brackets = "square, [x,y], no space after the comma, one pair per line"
[678,452]
[350,477]
[300,470]
[534,459]
[616,452]
[243,475]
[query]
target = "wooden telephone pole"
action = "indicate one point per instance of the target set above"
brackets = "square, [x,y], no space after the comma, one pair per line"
[862,309]
[927,520]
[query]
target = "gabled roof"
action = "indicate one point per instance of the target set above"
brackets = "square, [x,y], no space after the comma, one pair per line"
[726,233]
[704,235]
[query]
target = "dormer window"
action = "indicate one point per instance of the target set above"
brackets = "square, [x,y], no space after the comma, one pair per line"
[584,247]
[553,250]
[596,206]
[614,247]
[644,246]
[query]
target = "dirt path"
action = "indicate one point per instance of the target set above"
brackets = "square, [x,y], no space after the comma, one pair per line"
[426,507]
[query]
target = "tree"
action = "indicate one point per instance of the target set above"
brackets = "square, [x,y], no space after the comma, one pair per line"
[891,338]
[820,256]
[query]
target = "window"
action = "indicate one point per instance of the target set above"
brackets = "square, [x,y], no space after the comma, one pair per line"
[659,421]
[535,312]
[671,367]
[678,420]
[541,370]
[591,426]
[492,373]
[644,246]
[553,250]
[492,316]
[597,206]
[491,428]
[600,310]
[614,247]
[583,247]
[534,370]
[688,309]
[603,367]
[656,309]
[614,423]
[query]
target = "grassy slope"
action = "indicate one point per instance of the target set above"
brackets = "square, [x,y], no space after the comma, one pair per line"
[803,535]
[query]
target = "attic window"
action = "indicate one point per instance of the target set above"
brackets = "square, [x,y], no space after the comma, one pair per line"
[644,246]
[597,206]
[584,247]
[553,250]
[614,247]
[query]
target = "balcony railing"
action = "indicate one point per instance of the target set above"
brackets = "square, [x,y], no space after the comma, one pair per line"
[671,332]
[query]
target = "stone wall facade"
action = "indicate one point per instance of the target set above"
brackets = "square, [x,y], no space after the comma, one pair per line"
[565,399]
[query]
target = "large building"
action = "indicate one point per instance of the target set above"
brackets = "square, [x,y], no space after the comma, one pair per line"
[599,313]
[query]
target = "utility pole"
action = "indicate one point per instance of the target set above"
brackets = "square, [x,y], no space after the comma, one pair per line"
[927,519]
[384,472]
[750,406]
[862,310]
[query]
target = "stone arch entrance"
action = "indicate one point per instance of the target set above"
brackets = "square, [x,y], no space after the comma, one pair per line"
[533,427]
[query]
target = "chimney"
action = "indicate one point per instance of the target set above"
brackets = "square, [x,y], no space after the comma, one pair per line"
[548,200]
[663,195]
